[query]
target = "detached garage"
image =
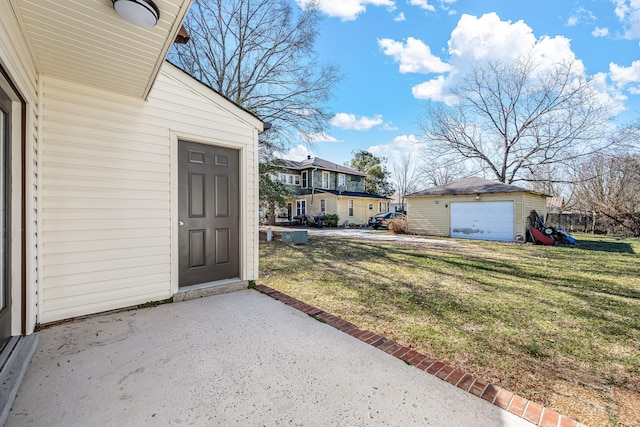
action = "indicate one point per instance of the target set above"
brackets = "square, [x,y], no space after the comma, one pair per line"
[474,208]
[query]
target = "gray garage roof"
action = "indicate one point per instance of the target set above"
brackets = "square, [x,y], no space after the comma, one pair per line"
[474,185]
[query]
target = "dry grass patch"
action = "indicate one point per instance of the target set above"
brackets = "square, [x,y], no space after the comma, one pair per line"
[560,326]
[399,226]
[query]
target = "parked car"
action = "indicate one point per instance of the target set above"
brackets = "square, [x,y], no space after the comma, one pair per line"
[382,220]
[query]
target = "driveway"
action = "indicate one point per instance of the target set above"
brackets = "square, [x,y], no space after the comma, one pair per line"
[240,359]
[361,233]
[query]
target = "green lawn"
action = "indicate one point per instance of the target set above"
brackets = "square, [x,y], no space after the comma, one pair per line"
[557,325]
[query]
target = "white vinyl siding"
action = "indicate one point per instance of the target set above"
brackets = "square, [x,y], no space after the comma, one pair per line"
[90,45]
[428,215]
[108,171]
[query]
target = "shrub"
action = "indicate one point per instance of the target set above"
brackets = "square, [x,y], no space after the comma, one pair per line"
[331,220]
[399,226]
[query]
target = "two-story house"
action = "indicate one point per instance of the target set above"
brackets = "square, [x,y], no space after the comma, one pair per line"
[322,188]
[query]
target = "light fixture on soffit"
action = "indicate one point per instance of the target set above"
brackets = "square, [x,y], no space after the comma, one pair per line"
[143,13]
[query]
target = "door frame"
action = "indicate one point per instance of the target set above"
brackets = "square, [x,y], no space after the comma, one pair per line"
[17,207]
[176,137]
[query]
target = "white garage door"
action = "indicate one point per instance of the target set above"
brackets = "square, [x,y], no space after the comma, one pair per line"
[482,221]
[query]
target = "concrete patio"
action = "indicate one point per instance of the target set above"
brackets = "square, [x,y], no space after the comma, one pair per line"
[241,359]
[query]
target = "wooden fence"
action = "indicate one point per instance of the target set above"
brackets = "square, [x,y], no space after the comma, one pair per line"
[584,221]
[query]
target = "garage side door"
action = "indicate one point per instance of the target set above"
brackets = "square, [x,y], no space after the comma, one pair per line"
[482,221]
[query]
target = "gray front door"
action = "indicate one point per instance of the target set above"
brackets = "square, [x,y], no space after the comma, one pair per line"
[5,288]
[208,212]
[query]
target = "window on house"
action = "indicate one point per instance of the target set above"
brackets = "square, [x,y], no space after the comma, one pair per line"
[290,179]
[301,208]
[283,179]
[341,180]
[370,206]
[323,205]
[304,179]
[296,179]
[350,207]
[325,179]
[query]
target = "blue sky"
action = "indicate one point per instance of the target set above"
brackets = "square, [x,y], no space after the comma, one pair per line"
[396,54]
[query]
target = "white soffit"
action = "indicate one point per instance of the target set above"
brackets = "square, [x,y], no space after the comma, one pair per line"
[87,42]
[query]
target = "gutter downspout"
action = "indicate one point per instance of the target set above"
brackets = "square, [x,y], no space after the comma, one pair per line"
[313,187]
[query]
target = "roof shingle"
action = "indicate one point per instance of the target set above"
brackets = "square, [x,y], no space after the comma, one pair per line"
[474,185]
[316,162]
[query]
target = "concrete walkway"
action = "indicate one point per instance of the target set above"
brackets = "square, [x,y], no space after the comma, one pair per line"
[361,233]
[238,359]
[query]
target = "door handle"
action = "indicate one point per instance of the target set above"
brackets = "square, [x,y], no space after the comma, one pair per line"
[180,223]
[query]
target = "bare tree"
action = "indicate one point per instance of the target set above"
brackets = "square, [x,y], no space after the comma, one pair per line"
[406,179]
[514,118]
[259,54]
[551,179]
[610,186]
[437,170]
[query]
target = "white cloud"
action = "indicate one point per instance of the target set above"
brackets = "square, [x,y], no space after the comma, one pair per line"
[628,12]
[423,4]
[403,145]
[350,121]
[445,4]
[400,17]
[600,32]
[299,152]
[346,10]
[581,16]
[623,76]
[550,51]
[608,93]
[434,90]
[389,126]
[488,38]
[413,56]
[321,137]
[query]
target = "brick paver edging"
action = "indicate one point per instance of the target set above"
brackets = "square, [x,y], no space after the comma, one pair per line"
[498,396]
